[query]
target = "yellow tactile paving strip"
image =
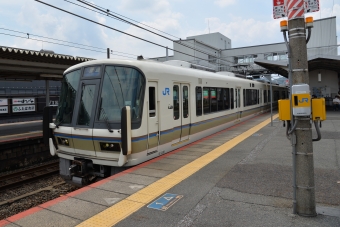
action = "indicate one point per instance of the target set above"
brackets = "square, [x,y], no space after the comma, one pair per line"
[131,204]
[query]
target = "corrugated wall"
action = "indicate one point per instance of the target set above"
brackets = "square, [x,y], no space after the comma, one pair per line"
[323,37]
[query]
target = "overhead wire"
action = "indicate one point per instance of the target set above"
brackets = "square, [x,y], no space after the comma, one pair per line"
[131,19]
[125,33]
[128,22]
[39,40]
[100,48]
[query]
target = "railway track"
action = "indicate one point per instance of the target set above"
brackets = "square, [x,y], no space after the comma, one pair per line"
[28,175]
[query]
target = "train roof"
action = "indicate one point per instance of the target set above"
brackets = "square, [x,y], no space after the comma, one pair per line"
[147,65]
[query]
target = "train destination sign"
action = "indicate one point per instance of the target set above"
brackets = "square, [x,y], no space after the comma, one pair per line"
[3,102]
[3,109]
[20,101]
[163,203]
[27,108]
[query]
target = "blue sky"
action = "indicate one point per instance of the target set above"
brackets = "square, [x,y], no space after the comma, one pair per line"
[246,23]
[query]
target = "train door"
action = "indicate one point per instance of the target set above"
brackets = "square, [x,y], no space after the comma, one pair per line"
[84,117]
[153,117]
[238,101]
[181,114]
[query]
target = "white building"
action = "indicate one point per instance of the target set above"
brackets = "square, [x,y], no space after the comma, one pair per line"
[214,51]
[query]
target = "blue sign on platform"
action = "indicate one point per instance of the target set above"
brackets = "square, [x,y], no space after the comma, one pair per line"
[164,202]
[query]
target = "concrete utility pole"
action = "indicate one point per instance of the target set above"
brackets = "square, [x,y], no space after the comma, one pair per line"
[305,190]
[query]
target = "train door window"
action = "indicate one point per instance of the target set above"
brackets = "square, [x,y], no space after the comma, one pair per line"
[213,99]
[269,96]
[258,97]
[185,102]
[236,96]
[265,97]
[206,100]
[232,101]
[220,97]
[226,99]
[198,101]
[152,102]
[176,102]
[244,97]
[283,94]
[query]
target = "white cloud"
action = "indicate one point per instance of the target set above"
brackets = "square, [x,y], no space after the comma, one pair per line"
[244,32]
[150,6]
[224,3]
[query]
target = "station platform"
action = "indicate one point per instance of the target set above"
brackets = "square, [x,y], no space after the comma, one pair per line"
[19,137]
[241,176]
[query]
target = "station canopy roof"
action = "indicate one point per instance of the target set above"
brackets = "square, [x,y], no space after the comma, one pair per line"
[22,65]
[315,62]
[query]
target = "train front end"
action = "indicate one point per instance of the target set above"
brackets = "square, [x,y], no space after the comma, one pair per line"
[99,107]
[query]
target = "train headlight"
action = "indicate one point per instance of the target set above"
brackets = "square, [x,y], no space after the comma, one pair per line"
[63,141]
[110,147]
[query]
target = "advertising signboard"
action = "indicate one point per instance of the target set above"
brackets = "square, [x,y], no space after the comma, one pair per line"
[20,101]
[3,109]
[3,102]
[26,108]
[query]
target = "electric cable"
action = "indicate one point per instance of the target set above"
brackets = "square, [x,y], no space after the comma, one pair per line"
[61,44]
[95,22]
[131,19]
[29,34]
[107,13]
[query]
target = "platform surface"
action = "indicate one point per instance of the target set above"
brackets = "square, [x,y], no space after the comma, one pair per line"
[241,176]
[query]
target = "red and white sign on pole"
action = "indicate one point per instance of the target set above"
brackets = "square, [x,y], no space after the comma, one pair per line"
[295,9]
[279,9]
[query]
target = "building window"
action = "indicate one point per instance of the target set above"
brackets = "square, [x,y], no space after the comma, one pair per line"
[212,59]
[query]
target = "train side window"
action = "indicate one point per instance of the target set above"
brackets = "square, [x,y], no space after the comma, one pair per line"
[276,96]
[269,96]
[185,102]
[206,100]
[226,100]
[258,96]
[176,102]
[265,97]
[232,101]
[220,97]
[213,99]
[198,101]
[152,102]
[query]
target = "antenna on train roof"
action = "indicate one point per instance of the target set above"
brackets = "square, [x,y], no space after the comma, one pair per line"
[140,57]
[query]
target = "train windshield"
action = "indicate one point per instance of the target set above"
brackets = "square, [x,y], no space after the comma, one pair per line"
[68,95]
[122,86]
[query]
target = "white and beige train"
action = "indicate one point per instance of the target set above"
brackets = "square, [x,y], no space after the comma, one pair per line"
[114,114]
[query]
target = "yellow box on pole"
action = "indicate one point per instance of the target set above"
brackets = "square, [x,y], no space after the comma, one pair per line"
[318,109]
[284,110]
